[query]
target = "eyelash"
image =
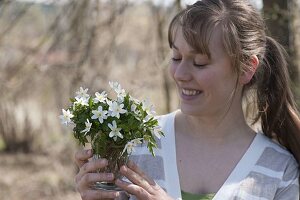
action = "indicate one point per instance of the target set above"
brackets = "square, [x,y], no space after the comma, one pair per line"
[176,59]
[179,59]
[200,66]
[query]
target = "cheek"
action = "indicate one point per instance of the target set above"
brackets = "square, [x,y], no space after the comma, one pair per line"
[222,85]
[214,83]
[205,78]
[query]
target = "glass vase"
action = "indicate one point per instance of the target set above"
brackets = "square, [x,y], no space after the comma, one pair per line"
[113,154]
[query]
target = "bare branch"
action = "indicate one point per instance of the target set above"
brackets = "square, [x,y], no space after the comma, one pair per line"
[15,21]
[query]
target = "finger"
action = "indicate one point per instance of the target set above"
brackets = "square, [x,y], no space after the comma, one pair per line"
[92,166]
[90,178]
[136,169]
[135,178]
[133,189]
[98,194]
[82,156]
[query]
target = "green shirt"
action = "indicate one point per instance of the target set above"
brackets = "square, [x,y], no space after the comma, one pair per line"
[189,196]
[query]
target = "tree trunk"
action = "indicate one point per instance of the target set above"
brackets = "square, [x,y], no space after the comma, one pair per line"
[160,22]
[282,17]
[294,7]
[178,5]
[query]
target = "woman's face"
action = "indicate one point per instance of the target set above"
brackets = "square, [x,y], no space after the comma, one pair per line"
[205,85]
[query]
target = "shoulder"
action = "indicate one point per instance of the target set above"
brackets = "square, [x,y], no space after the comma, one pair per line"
[277,159]
[275,173]
[282,168]
[274,150]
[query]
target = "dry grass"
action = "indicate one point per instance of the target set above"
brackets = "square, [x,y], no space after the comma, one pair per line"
[42,86]
[37,177]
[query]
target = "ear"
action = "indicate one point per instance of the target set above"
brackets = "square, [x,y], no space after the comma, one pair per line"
[246,76]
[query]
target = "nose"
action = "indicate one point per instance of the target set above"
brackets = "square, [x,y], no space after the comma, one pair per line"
[182,71]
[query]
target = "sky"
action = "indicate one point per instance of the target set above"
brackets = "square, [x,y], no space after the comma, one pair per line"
[257,3]
[44,1]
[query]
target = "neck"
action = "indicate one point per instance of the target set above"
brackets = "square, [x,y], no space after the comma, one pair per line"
[217,128]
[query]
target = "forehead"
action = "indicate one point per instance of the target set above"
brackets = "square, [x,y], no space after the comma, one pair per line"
[214,42]
[180,42]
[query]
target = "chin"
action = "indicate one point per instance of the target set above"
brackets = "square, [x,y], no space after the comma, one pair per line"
[189,110]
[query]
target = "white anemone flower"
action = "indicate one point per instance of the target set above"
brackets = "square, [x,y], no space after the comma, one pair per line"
[66,117]
[99,114]
[100,97]
[82,101]
[135,100]
[117,88]
[108,102]
[157,131]
[82,93]
[129,147]
[88,126]
[133,108]
[121,92]
[114,85]
[116,109]
[148,107]
[120,99]
[115,131]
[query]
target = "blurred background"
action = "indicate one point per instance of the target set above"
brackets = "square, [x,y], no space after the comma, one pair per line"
[48,49]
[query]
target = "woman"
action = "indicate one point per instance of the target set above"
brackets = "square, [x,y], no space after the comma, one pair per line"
[221,54]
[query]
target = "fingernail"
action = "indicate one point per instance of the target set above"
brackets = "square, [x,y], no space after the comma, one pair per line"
[110,176]
[131,164]
[124,168]
[89,152]
[117,194]
[118,181]
[104,161]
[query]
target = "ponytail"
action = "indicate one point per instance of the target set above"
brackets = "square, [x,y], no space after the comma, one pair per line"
[244,35]
[277,109]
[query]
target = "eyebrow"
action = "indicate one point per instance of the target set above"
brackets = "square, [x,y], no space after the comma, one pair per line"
[193,51]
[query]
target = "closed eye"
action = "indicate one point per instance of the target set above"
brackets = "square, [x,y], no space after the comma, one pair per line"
[176,59]
[199,65]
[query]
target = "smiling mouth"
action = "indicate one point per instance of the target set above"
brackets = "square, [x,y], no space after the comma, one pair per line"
[188,92]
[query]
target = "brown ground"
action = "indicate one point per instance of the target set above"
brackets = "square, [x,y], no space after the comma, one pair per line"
[36,177]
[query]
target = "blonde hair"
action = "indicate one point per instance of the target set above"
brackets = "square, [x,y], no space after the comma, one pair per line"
[244,35]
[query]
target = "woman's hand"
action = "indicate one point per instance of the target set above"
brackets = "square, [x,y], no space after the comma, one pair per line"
[143,187]
[87,176]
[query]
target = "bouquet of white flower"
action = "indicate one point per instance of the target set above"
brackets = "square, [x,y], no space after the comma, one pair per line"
[105,122]
[113,126]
